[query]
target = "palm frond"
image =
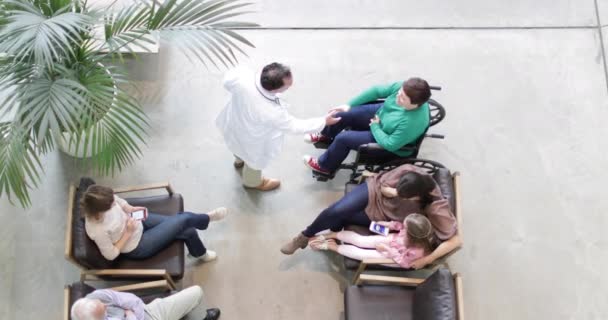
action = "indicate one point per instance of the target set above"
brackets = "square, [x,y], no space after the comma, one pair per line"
[112,122]
[35,38]
[56,82]
[198,26]
[21,167]
[127,28]
[50,104]
[115,138]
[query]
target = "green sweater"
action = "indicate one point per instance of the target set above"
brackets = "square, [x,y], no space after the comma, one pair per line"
[397,126]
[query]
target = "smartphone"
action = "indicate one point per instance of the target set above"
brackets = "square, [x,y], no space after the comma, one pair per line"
[138,215]
[379,229]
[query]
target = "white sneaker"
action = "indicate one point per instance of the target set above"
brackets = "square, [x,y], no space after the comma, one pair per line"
[217,214]
[208,256]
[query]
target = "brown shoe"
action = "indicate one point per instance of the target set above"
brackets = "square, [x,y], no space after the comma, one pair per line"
[238,164]
[300,241]
[267,184]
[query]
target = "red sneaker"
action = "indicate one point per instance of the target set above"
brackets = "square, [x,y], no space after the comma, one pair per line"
[315,137]
[314,165]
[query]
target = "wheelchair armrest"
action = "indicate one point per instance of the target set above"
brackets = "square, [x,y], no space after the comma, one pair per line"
[376,147]
[370,147]
[434,135]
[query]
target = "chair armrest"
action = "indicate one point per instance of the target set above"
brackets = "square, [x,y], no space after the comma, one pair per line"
[66,303]
[366,262]
[160,185]
[126,273]
[401,281]
[456,179]
[379,261]
[68,230]
[459,296]
[145,285]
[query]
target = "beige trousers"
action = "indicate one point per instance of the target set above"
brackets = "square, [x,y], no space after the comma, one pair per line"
[176,306]
[251,178]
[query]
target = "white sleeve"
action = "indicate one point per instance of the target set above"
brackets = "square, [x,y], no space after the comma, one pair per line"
[285,122]
[231,78]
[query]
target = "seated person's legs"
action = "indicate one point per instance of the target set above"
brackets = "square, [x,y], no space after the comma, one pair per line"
[334,217]
[347,250]
[331,159]
[356,118]
[160,231]
[178,305]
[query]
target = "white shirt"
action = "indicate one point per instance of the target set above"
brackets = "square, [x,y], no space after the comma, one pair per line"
[107,231]
[254,120]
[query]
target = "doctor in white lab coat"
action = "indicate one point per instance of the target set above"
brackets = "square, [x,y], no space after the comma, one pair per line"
[254,120]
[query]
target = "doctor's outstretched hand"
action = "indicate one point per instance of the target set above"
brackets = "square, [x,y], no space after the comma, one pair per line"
[330,119]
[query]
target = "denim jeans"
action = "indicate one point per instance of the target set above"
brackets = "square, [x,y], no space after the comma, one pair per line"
[357,118]
[346,211]
[160,231]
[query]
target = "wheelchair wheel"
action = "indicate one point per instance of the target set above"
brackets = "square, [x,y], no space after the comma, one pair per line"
[437,112]
[428,165]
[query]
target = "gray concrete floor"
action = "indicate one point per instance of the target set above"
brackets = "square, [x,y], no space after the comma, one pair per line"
[526,95]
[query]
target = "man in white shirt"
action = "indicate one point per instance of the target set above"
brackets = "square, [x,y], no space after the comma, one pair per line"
[255,120]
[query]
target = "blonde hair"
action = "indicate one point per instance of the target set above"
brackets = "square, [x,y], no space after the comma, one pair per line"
[419,231]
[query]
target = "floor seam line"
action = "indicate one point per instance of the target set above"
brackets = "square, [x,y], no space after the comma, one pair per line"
[601,34]
[424,28]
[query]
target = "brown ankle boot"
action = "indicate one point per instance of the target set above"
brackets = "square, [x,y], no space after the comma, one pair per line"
[300,241]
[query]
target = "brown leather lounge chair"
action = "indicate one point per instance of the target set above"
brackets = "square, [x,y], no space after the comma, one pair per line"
[438,297]
[83,252]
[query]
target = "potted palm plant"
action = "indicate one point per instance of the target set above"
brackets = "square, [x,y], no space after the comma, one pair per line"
[61,80]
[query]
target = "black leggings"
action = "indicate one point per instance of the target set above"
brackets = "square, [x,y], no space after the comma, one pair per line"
[346,211]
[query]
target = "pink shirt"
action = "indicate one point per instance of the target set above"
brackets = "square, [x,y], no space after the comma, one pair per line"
[398,251]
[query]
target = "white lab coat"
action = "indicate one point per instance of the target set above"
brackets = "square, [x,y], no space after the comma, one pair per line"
[254,121]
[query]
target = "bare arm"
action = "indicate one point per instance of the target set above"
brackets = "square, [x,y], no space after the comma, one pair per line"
[443,249]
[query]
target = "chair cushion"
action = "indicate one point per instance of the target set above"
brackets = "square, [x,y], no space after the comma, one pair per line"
[78,290]
[87,254]
[372,302]
[443,177]
[84,250]
[435,298]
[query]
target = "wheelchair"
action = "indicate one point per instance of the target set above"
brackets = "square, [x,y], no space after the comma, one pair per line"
[371,155]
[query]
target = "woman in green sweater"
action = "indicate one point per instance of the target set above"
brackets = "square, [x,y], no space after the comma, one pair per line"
[400,120]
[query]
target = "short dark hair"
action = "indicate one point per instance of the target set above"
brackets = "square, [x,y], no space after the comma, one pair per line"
[273,75]
[417,90]
[96,199]
[413,184]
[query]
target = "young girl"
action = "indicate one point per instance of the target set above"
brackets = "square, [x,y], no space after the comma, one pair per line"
[413,241]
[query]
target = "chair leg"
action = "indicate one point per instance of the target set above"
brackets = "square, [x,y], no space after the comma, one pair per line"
[356,280]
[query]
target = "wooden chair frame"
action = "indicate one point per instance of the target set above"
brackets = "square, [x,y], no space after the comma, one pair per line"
[363,265]
[169,285]
[411,282]
[124,273]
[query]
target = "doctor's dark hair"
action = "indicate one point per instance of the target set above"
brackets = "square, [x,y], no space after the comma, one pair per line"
[412,184]
[273,75]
